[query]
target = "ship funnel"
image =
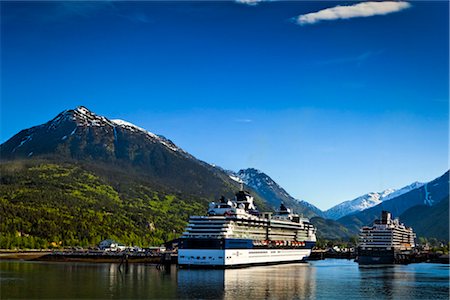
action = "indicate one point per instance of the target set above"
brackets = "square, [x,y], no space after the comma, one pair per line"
[385,217]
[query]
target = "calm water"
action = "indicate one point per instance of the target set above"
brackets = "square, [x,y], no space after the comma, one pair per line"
[328,279]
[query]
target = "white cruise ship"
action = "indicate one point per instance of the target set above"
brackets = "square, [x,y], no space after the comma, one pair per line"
[387,241]
[235,234]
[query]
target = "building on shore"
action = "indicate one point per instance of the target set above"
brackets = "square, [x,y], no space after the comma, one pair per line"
[111,245]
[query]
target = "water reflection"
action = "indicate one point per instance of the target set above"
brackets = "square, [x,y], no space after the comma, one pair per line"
[276,282]
[329,279]
[418,281]
[79,280]
[281,282]
[197,283]
[381,281]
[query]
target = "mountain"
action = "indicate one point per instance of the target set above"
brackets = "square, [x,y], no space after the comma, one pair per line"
[328,229]
[81,177]
[81,135]
[367,201]
[429,221]
[429,194]
[274,194]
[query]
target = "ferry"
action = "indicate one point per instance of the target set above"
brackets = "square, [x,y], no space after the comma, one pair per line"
[387,241]
[235,234]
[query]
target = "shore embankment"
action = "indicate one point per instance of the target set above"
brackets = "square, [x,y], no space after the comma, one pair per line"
[82,256]
[416,257]
[23,254]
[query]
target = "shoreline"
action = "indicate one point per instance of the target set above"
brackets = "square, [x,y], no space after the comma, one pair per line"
[79,256]
[153,258]
[23,254]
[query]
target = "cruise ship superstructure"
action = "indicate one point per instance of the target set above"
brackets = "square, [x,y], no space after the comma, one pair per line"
[387,241]
[235,234]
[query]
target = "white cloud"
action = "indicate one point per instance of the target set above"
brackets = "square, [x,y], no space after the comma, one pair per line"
[244,120]
[364,9]
[250,2]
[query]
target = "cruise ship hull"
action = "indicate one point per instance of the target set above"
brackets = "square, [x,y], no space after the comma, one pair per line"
[383,257]
[375,260]
[228,258]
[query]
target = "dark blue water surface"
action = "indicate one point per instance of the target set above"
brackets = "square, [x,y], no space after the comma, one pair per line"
[326,279]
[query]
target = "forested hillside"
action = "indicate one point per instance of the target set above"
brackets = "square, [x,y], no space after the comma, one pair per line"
[80,204]
[43,202]
[328,229]
[429,221]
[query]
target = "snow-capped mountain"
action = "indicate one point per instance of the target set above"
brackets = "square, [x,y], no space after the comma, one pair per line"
[72,125]
[428,195]
[367,201]
[81,135]
[156,137]
[273,193]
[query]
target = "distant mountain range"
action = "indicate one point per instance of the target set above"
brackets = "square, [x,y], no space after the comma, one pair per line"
[429,194]
[82,177]
[367,201]
[344,220]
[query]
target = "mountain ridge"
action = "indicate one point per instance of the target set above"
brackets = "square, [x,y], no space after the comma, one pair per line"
[367,201]
[264,185]
[81,135]
[429,194]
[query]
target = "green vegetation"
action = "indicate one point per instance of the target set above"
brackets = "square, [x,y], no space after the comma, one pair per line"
[46,205]
[435,245]
[331,230]
[326,243]
[429,222]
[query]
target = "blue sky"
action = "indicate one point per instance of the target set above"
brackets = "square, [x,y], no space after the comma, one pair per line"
[330,109]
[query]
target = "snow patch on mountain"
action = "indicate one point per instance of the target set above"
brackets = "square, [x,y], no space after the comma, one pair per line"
[83,117]
[367,201]
[403,190]
[132,127]
[235,178]
[161,139]
[26,139]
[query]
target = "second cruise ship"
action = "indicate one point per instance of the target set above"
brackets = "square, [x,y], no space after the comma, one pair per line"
[387,241]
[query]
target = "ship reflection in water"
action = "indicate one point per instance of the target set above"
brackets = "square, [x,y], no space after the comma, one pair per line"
[329,279]
[265,282]
[385,281]
[326,279]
